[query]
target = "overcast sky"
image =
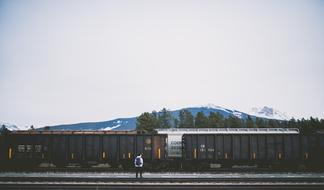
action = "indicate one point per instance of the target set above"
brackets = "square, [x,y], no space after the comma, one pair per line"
[75,61]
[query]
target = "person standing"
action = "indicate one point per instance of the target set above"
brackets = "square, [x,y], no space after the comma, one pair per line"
[139,162]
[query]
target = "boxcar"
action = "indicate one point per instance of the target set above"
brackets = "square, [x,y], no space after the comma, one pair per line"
[249,146]
[30,148]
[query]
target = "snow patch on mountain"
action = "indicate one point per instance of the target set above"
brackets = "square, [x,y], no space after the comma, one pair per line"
[116,124]
[226,111]
[9,126]
[118,121]
[269,113]
[237,114]
[213,106]
[110,128]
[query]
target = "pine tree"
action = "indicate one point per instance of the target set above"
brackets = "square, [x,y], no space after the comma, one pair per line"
[147,122]
[165,118]
[249,122]
[215,120]
[233,122]
[181,119]
[322,124]
[292,123]
[201,120]
[260,123]
[186,119]
[176,122]
[273,123]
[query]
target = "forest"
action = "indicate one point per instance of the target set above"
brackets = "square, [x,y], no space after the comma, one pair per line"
[164,119]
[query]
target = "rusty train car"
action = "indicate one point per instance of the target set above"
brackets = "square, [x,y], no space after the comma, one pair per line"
[84,148]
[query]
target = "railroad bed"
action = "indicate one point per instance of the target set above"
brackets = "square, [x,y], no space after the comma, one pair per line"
[90,180]
[159,177]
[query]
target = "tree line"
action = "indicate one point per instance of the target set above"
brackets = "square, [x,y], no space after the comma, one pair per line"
[184,119]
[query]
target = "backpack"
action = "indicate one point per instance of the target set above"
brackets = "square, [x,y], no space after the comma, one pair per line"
[138,161]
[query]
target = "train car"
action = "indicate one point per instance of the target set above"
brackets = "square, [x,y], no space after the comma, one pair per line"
[83,148]
[271,147]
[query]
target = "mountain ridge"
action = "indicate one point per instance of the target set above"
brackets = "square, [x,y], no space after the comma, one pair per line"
[121,124]
[8,126]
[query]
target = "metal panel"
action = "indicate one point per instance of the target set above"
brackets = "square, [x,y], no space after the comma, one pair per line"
[320,153]
[202,147]
[37,147]
[123,147]
[126,147]
[295,147]
[313,147]
[194,146]
[271,153]
[41,147]
[92,148]
[261,147]
[210,143]
[188,147]
[305,147]
[279,147]
[219,147]
[245,147]
[148,149]
[254,154]
[110,147]
[227,147]
[159,147]
[139,144]
[288,147]
[236,147]
[59,148]
[321,141]
[75,148]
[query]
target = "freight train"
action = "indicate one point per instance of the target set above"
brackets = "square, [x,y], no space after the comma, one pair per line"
[166,149]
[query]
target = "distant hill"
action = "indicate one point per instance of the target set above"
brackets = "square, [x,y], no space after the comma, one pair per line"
[121,124]
[130,123]
[8,126]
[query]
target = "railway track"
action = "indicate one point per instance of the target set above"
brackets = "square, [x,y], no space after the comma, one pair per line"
[63,180]
[161,180]
[158,186]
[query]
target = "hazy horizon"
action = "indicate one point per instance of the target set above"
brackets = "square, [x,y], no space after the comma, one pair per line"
[77,61]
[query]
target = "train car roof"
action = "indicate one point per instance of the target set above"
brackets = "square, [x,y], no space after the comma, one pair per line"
[36,132]
[176,131]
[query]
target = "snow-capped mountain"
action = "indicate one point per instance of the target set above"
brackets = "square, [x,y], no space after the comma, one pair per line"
[116,125]
[212,108]
[233,112]
[9,126]
[122,124]
[269,113]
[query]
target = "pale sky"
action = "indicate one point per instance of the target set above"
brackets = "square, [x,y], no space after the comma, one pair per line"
[74,61]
